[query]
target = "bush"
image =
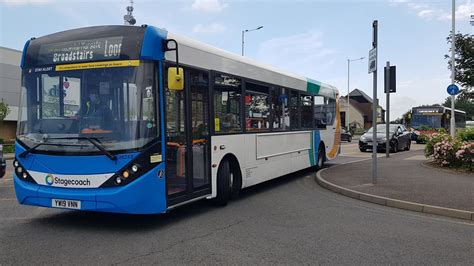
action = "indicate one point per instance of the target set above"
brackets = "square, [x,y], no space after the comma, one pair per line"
[357,131]
[425,128]
[466,134]
[8,148]
[450,152]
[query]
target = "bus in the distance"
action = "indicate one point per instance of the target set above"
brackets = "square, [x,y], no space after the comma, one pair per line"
[436,117]
[138,120]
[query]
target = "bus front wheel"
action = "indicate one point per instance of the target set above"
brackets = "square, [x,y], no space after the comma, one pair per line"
[223,183]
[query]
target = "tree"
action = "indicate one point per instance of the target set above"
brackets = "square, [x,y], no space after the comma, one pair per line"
[464,60]
[406,117]
[4,110]
[462,103]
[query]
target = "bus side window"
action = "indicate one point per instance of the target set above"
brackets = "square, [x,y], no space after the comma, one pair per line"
[306,111]
[227,104]
[257,107]
[330,111]
[294,110]
[280,111]
[320,119]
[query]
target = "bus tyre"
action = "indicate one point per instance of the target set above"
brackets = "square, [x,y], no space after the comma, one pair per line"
[320,162]
[235,182]
[223,184]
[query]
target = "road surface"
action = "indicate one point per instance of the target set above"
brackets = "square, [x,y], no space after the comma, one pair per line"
[290,220]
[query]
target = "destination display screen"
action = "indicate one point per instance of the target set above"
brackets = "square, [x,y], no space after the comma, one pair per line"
[93,44]
[428,111]
[80,51]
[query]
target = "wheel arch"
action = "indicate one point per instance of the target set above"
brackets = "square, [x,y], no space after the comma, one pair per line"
[234,166]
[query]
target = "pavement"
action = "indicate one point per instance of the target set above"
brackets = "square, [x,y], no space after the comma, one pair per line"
[9,156]
[404,181]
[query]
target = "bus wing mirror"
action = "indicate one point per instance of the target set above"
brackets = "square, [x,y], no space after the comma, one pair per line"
[175,74]
[175,78]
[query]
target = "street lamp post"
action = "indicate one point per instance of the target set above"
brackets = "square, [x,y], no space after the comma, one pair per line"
[243,36]
[348,88]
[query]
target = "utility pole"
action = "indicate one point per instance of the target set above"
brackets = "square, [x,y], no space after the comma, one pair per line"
[243,36]
[348,91]
[387,123]
[453,70]
[390,86]
[373,69]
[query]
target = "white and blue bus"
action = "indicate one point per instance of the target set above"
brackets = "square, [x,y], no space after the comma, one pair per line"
[138,120]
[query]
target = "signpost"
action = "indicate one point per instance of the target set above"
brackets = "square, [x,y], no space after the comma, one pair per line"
[453,89]
[373,60]
[373,69]
[390,86]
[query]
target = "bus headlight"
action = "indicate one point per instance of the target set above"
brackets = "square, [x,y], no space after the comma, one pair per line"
[125,174]
[140,165]
[22,173]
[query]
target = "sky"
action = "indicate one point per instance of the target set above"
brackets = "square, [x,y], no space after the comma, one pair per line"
[313,38]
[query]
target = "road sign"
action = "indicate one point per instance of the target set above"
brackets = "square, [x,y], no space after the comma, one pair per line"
[390,79]
[453,89]
[372,60]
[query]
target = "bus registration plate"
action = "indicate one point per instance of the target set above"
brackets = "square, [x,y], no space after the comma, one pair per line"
[66,204]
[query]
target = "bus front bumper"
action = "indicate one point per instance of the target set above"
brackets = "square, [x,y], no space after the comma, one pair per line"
[145,195]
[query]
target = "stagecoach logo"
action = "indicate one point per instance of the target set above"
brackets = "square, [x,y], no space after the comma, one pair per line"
[49,179]
[62,182]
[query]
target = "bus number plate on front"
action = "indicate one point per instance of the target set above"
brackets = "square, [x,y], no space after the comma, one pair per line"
[66,204]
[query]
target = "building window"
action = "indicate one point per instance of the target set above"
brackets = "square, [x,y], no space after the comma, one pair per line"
[343,119]
[257,107]
[227,104]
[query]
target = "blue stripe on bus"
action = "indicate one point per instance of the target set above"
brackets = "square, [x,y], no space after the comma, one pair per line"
[316,142]
[146,195]
[23,54]
[152,47]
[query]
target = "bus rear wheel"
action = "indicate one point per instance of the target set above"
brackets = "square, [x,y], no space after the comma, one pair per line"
[320,161]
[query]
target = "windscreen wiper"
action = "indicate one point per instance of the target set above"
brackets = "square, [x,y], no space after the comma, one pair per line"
[96,143]
[23,154]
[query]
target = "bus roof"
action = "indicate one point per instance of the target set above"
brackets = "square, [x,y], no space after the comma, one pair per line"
[40,51]
[214,58]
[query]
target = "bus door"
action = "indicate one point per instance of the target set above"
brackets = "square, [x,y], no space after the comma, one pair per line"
[188,138]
